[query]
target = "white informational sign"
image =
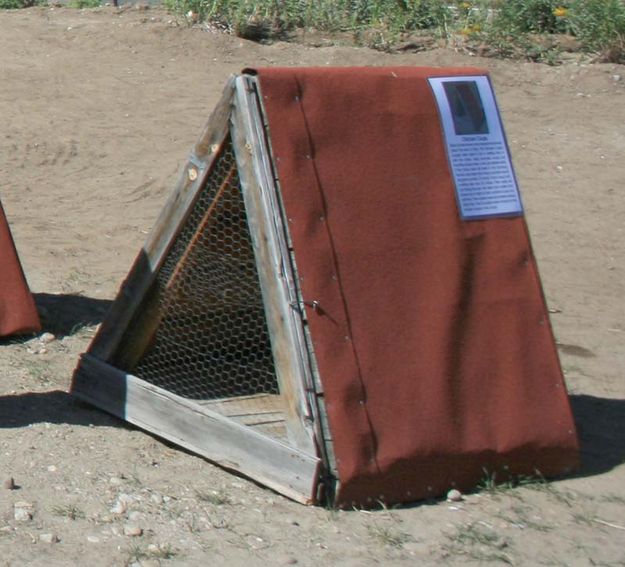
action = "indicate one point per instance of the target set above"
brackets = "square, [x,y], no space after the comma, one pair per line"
[476,146]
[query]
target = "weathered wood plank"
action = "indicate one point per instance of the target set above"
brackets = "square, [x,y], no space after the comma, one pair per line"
[256,184]
[298,334]
[167,226]
[265,412]
[185,423]
[242,405]
[149,319]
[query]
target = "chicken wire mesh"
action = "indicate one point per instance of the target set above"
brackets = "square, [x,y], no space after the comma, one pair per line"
[209,337]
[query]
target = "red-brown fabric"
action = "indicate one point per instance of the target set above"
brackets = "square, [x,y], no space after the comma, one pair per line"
[431,334]
[17,308]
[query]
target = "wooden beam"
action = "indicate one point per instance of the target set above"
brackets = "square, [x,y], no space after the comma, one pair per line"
[148,320]
[196,428]
[295,362]
[257,188]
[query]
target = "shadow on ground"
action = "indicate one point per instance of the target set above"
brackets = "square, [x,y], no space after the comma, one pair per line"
[601,428]
[600,422]
[21,410]
[65,314]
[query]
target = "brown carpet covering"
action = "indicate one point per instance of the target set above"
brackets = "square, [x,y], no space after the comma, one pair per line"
[431,334]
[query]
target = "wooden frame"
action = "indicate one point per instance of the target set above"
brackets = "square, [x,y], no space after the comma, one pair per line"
[197,429]
[258,178]
[295,466]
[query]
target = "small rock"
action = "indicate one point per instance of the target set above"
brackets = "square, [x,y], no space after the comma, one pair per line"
[9,484]
[115,480]
[93,539]
[22,515]
[156,498]
[132,531]
[23,511]
[52,468]
[120,507]
[47,338]
[49,538]
[41,350]
[454,496]
[616,78]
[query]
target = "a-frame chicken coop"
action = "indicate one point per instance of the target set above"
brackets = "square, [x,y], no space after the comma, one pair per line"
[18,314]
[312,311]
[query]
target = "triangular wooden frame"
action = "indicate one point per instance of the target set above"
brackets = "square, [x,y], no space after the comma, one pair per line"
[298,467]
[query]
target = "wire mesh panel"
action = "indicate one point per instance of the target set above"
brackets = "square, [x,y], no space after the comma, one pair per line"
[202,326]
[199,346]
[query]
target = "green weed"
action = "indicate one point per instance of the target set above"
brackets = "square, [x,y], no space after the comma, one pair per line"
[40,371]
[84,3]
[600,27]
[214,497]
[521,517]
[136,553]
[541,484]
[388,536]
[16,4]
[69,511]
[511,28]
[479,542]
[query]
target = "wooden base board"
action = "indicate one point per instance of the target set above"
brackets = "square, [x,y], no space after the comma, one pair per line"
[199,429]
[262,412]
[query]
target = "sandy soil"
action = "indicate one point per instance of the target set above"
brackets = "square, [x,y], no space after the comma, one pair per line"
[98,110]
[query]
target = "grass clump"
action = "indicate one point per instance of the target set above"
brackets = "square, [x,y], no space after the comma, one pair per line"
[69,511]
[522,29]
[388,536]
[532,16]
[265,19]
[528,29]
[16,4]
[479,542]
[84,4]
[214,497]
[138,553]
[600,27]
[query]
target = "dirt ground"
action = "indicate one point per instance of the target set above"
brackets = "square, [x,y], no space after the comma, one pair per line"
[98,110]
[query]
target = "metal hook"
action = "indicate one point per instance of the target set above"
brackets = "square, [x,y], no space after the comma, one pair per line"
[316,306]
